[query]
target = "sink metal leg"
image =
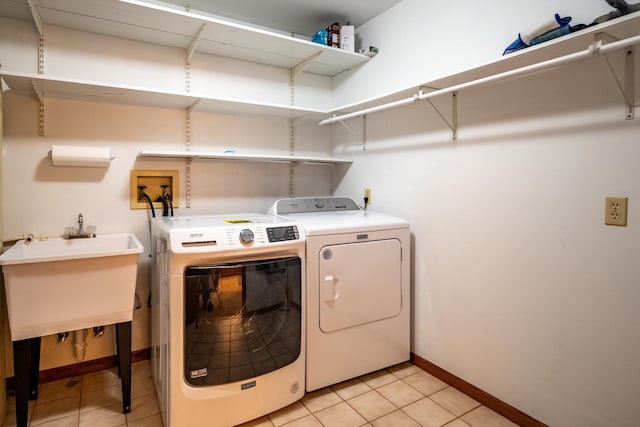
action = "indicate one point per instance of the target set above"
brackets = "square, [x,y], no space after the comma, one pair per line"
[123,344]
[26,366]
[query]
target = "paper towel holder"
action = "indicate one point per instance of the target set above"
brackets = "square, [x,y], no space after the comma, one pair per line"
[80,156]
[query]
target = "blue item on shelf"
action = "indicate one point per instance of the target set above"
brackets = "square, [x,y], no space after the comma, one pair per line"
[321,37]
[549,35]
[525,38]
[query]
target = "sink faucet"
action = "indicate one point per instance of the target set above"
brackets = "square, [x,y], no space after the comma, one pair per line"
[80,224]
[80,233]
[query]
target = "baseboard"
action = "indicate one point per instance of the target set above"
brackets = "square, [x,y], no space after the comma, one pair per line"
[491,402]
[82,368]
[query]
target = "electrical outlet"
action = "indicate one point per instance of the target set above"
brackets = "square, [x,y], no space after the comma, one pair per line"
[367,194]
[615,211]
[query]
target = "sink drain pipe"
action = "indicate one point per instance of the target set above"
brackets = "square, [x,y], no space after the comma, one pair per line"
[80,343]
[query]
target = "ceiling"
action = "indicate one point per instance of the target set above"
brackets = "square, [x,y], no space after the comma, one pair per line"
[302,17]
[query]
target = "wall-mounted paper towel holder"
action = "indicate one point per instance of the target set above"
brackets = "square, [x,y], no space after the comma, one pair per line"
[73,155]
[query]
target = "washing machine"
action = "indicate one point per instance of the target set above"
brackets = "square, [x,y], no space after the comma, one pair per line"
[228,329]
[358,288]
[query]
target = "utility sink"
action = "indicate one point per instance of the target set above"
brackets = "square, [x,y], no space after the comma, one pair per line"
[60,285]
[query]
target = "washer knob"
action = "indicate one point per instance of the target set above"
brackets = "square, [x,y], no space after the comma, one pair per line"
[318,203]
[246,236]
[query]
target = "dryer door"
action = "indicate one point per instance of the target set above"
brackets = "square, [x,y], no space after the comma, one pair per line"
[359,283]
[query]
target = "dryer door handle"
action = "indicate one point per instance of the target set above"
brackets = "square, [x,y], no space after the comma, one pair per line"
[331,289]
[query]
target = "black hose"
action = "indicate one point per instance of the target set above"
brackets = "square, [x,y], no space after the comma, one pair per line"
[169,202]
[165,206]
[146,196]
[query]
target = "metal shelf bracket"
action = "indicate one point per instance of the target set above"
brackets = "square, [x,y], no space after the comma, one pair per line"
[629,84]
[453,125]
[195,41]
[36,17]
[628,87]
[40,96]
[190,51]
[295,71]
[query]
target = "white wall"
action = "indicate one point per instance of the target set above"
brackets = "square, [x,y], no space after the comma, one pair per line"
[43,200]
[420,41]
[518,286]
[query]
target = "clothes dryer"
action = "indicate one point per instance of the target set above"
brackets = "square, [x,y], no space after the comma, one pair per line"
[358,288]
[228,330]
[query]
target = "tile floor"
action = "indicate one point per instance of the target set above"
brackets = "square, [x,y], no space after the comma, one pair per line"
[399,396]
[93,400]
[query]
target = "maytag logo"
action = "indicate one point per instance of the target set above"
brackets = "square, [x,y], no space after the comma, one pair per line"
[194,235]
[199,373]
[362,236]
[246,386]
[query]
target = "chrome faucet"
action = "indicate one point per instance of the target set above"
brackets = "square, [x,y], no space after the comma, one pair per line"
[80,224]
[79,233]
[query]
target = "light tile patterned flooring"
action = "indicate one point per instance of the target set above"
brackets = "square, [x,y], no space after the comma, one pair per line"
[400,396]
[93,400]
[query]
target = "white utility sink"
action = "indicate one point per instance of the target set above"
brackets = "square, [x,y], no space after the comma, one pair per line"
[60,285]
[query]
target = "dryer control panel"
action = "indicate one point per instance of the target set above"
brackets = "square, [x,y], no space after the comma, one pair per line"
[314,204]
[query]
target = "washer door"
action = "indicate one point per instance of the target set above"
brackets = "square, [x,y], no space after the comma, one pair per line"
[359,283]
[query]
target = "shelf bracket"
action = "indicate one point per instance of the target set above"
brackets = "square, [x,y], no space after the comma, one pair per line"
[630,84]
[40,95]
[295,71]
[453,125]
[628,88]
[193,106]
[364,132]
[195,41]
[344,125]
[36,18]
[190,51]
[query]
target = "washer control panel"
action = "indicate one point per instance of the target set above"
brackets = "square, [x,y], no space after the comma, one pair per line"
[282,234]
[215,233]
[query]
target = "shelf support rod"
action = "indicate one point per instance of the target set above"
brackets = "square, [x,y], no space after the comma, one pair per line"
[295,71]
[493,78]
[370,110]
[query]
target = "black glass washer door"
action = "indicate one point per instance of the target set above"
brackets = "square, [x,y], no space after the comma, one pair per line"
[241,320]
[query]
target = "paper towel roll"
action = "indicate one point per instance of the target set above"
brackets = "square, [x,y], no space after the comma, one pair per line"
[71,155]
